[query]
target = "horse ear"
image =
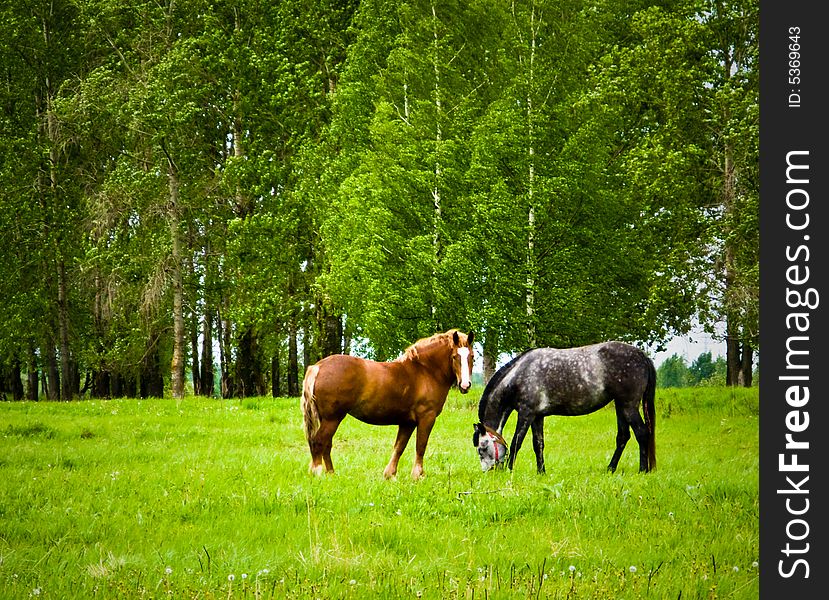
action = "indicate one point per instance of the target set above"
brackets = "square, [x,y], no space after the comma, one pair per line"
[479,431]
[455,338]
[470,338]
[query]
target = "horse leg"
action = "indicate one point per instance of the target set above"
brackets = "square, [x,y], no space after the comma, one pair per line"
[538,442]
[622,437]
[521,429]
[321,446]
[404,432]
[424,429]
[640,430]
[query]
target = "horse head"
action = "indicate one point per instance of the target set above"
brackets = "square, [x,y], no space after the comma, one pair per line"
[462,358]
[491,445]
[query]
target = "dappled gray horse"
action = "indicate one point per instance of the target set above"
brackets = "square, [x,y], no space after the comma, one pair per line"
[572,381]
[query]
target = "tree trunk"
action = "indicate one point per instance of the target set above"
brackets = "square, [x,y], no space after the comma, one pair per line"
[66,377]
[332,342]
[732,355]
[293,360]
[123,386]
[14,382]
[490,355]
[177,365]
[52,379]
[207,379]
[223,332]
[746,365]
[729,191]
[275,383]
[249,378]
[195,368]
[100,384]
[531,267]
[307,347]
[63,312]
[438,216]
[152,381]
[32,375]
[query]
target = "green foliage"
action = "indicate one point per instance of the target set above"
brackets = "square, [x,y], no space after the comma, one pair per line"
[674,372]
[206,498]
[544,173]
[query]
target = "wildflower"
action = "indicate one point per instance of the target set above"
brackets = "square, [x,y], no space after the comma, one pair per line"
[352,582]
[36,591]
[244,575]
[231,577]
[736,568]
[755,564]
[168,570]
[632,569]
[572,568]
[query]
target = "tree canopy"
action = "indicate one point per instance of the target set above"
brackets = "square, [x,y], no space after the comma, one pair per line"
[214,194]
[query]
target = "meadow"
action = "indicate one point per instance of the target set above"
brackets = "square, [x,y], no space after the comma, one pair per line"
[205,498]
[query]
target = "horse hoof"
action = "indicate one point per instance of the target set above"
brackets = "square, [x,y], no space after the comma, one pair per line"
[318,470]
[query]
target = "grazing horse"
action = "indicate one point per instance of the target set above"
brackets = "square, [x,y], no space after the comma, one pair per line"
[573,381]
[409,392]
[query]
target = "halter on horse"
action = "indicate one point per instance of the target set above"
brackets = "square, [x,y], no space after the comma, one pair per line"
[573,381]
[409,392]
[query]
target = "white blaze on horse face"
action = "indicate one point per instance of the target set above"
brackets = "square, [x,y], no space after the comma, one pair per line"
[465,383]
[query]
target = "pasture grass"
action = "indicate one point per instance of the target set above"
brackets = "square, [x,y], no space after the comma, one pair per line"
[212,499]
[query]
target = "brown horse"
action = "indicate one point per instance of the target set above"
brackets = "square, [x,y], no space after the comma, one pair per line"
[409,392]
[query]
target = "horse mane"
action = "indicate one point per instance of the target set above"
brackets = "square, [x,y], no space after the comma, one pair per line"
[494,382]
[411,353]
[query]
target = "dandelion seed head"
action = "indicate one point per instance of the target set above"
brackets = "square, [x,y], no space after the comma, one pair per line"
[168,570]
[632,568]
[231,577]
[572,568]
[755,564]
[352,582]
[736,568]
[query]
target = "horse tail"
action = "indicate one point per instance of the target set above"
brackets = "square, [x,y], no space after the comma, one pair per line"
[308,403]
[650,414]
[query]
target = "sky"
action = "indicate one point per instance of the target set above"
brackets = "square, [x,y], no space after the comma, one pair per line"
[690,347]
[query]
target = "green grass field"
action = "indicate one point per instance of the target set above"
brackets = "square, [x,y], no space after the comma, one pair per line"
[212,499]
